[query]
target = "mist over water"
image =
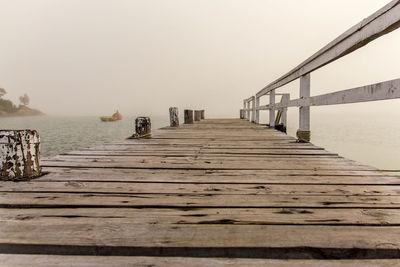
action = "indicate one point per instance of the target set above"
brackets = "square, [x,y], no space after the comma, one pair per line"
[367,138]
[87,58]
[60,134]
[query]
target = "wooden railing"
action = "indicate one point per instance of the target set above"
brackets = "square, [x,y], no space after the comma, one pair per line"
[381,22]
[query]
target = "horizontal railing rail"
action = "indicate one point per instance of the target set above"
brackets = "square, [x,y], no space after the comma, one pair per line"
[378,24]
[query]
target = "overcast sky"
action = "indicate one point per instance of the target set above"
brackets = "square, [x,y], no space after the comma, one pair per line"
[91,57]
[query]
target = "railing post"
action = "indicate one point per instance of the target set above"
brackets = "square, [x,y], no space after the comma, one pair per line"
[244,109]
[286,99]
[257,110]
[248,111]
[253,109]
[272,109]
[304,133]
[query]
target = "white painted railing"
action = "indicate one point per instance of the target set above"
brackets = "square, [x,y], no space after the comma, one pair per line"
[381,22]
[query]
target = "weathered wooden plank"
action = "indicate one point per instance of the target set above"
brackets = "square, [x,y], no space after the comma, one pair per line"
[11,260]
[216,216]
[220,176]
[209,152]
[200,189]
[15,199]
[372,92]
[173,197]
[206,163]
[116,236]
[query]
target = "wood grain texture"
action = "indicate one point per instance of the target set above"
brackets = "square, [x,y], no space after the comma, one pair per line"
[217,188]
[12,260]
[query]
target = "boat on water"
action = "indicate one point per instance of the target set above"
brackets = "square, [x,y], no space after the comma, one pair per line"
[115,117]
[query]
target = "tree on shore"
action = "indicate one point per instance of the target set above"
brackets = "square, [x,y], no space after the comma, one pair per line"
[24,99]
[2,92]
[6,105]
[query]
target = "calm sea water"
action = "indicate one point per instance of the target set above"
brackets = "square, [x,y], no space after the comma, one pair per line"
[369,139]
[63,134]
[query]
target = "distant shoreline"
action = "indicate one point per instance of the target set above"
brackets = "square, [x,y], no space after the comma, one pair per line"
[23,111]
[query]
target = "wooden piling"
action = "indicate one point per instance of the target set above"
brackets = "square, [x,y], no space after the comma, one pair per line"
[202,114]
[188,116]
[19,154]
[197,115]
[242,114]
[173,117]
[142,128]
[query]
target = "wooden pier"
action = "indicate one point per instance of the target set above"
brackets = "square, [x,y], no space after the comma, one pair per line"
[212,192]
[219,188]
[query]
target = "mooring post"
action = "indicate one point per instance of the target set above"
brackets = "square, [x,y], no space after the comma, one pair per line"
[272,109]
[304,133]
[142,128]
[173,117]
[197,115]
[19,155]
[257,110]
[188,116]
[242,114]
[202,114]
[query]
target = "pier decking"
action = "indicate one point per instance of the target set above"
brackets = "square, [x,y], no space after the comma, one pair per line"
[222,188]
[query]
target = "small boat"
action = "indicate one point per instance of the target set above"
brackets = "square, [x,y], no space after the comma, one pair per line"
[107,118]
[115,117]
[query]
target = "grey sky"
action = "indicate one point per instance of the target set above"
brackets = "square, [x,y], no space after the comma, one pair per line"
[94,56]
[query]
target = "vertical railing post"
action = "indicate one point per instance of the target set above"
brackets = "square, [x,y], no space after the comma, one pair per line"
[304,133]
[257,110]
[253,109]
[272,109]
[285,101]
[248,111]
[244,109]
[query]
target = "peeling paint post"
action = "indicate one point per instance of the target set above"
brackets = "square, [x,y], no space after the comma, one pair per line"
[197,115]
[285,100]
[244,109]
[142,128]
[173,117]
[202,114]
[248,111]
[304,133]
[188,116]
[253,109]
[272,109]
[257,110]
[19,155]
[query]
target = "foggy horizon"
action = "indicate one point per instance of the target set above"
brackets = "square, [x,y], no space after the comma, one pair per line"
[142,57]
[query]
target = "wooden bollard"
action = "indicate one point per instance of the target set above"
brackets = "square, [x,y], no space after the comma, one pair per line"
[202,114]
[142,128]
[173,117]
[303,136]
[188,116]
[242,114]
[197,115]
[19,155]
